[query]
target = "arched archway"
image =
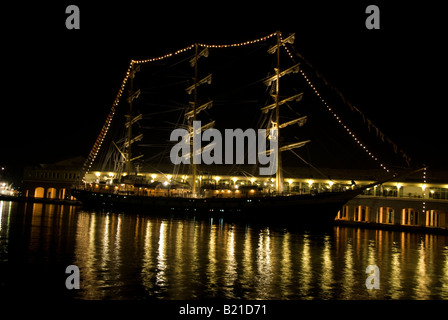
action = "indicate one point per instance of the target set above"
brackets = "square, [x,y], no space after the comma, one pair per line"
[39,192]
[52,193]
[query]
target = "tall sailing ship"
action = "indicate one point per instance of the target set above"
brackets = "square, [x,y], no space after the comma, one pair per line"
[128,189]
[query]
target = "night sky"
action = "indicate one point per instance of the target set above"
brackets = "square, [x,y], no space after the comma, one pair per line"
[59,84]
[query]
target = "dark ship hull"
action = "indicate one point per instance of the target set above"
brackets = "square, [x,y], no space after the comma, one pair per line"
[319,208]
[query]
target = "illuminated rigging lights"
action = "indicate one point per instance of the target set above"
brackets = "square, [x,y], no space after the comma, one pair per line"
[347,129]
[97,146]
[336,116]
[424,191]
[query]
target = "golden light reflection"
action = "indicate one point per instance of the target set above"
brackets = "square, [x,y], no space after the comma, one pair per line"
[395,290]
[349,272]
[85,255]
[117,244]
[372,256]
[91,256]
[179,262]
[194,257]
[306,274]
[191,259]
[327,269]
[422,281]
[230,264]
[285,266]
[247,274]
[161,257]
[444,277]
[263,283]
[212,261]
[147,261]
[5,219]
[105,257]
[1,216]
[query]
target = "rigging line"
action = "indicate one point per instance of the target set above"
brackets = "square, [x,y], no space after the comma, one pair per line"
[235,102]
[247,174]
[168,67]
[307,163]
[161,112]
[168,55]
[237,58]
[249,42]
[291,109]
[336,116]
[157,170]
[346,102]
[237,90]
[167,148]
[96,147]
[148,90]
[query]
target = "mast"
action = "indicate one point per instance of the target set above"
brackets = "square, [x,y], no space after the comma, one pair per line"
[278,174]
[276,107]
[192,114]
[131,120]
[195,100]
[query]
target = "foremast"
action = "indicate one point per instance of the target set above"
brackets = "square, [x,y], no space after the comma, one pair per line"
[130,120]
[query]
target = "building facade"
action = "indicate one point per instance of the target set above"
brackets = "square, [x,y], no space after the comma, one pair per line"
[51,181]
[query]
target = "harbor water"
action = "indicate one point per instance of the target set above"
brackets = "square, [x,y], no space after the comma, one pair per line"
[146,256]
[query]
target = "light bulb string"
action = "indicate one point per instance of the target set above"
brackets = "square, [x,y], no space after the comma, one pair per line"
[334,114]
[371,127]
[98,143]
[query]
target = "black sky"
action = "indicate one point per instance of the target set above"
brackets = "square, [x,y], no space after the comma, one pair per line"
[60,84]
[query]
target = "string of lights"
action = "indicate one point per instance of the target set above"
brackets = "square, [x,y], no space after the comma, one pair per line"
[240,44]
[424,190]
[99,141]
[336,116]
[168,55]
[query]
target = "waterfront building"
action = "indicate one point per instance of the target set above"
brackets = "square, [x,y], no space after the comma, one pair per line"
[51,181]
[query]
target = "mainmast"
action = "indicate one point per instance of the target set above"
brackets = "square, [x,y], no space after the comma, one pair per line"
[195,100]
[276,106]
[278,174]
[196,109]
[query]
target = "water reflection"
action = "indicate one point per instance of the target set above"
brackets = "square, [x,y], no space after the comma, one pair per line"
[305,270]
[348,271]
[161,280]
[5,218]
[123,256]
[395,289]
[444,276]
